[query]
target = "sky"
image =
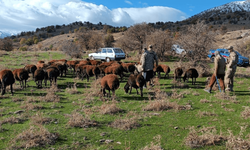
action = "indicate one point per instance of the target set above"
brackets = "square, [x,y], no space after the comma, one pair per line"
[27,15]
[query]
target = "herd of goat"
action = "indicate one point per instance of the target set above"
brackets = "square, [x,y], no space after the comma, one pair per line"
[86,68]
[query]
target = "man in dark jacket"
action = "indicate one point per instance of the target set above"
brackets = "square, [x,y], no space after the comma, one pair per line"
[147,60]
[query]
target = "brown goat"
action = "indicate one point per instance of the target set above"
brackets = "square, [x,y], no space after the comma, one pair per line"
[161,68]
[21,75]
[191,73]
[51,74]
[39,77]
[71,64]
[109,82]
[116,69]
[88,71]
[31,69]
[177,73]
[135,81]
[128,67]
[95,62]
[6,78]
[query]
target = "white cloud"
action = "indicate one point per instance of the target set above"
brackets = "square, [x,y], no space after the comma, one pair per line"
[128,2]
[27,15]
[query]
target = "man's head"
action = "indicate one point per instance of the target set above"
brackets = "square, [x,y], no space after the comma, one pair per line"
[150,47]
[230,48]
[216,53]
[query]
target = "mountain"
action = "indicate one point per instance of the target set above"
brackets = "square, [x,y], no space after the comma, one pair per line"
[237,6]
[4,34]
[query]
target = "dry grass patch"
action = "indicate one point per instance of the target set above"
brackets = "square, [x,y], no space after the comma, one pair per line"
[205,101]
[78,120]
[125,124]
[40,119]
[51,96]
[203,137]
[237,142]
[155,144]
[30,106]
[205,113]
[93,91]
[12,120]
[179,85]
[17,99]
[195,93]
[246,113]
[72,89]
[175,94]
[35,136]
[109,109]
[225,96]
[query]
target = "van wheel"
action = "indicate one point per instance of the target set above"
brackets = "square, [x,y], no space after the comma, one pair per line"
[107,59]
[91,58]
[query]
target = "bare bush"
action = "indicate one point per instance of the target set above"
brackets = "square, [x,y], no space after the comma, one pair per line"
[95,41]
[203,137]
[109,109]
[135,37]
[196,40]
[78,120]
[71,49]
[162,42]
[6,44]
[35,136]
[108,40]
[125,124]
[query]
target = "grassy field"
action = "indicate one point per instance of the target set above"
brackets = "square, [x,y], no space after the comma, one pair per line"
[169,116]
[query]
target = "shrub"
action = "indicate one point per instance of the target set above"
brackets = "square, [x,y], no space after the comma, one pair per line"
[22,41]
[29,42]
[108,40]
[24,48]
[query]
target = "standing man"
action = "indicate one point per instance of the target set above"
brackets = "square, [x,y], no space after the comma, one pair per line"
[219,72]
[147,60]
[231,69]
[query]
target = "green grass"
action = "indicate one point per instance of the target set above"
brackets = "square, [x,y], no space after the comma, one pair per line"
[151,125]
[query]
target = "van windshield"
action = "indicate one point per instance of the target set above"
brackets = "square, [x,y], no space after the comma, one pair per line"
[117,50]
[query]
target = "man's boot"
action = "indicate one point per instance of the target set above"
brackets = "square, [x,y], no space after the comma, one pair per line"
[231,88]
[208,90]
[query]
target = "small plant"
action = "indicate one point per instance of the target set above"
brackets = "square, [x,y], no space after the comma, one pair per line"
[109,109]
[35,136]
[125,124]
[24,48]
[204,137]
[78,120]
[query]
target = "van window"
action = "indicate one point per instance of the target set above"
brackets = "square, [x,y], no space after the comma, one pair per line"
[109,51]
[104,50]
[117,50]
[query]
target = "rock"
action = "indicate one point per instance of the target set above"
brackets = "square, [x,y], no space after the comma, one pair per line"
[19,112]
[102,140]
[118,142]
[109,141]
[103,134]
[176,128]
